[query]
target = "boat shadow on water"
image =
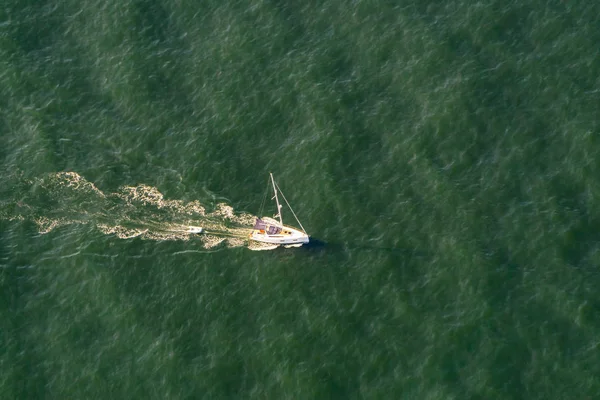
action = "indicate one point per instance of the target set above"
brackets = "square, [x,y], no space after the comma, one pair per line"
[317,246]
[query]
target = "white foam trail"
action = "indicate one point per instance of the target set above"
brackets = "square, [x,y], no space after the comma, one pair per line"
[140,211]
[258,246]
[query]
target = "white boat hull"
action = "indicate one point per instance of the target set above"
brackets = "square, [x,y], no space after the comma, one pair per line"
[271,231]
[287,236]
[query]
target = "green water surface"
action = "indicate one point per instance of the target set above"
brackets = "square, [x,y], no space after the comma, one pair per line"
[445,154]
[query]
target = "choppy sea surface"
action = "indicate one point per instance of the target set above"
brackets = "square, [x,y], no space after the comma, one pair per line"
[443,156]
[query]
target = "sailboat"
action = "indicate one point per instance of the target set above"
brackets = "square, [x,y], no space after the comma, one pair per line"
[273,231]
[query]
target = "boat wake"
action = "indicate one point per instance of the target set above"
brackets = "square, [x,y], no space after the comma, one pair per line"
[66,198]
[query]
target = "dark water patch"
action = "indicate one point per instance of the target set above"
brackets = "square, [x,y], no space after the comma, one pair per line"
[578,239]
[327,312]
[453,362]
[505,281]
[543,329]
[34,24]
[55,115]
[161,48]
[18,338]
[152,20]
[508,363]
[294,34]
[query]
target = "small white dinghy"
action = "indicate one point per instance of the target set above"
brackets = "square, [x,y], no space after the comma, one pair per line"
[194,229]
[273,231]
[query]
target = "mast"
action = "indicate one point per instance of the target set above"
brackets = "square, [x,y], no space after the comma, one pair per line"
[277,200]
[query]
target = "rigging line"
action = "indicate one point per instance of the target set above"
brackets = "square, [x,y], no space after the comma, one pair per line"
[262,205]
[288,204]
